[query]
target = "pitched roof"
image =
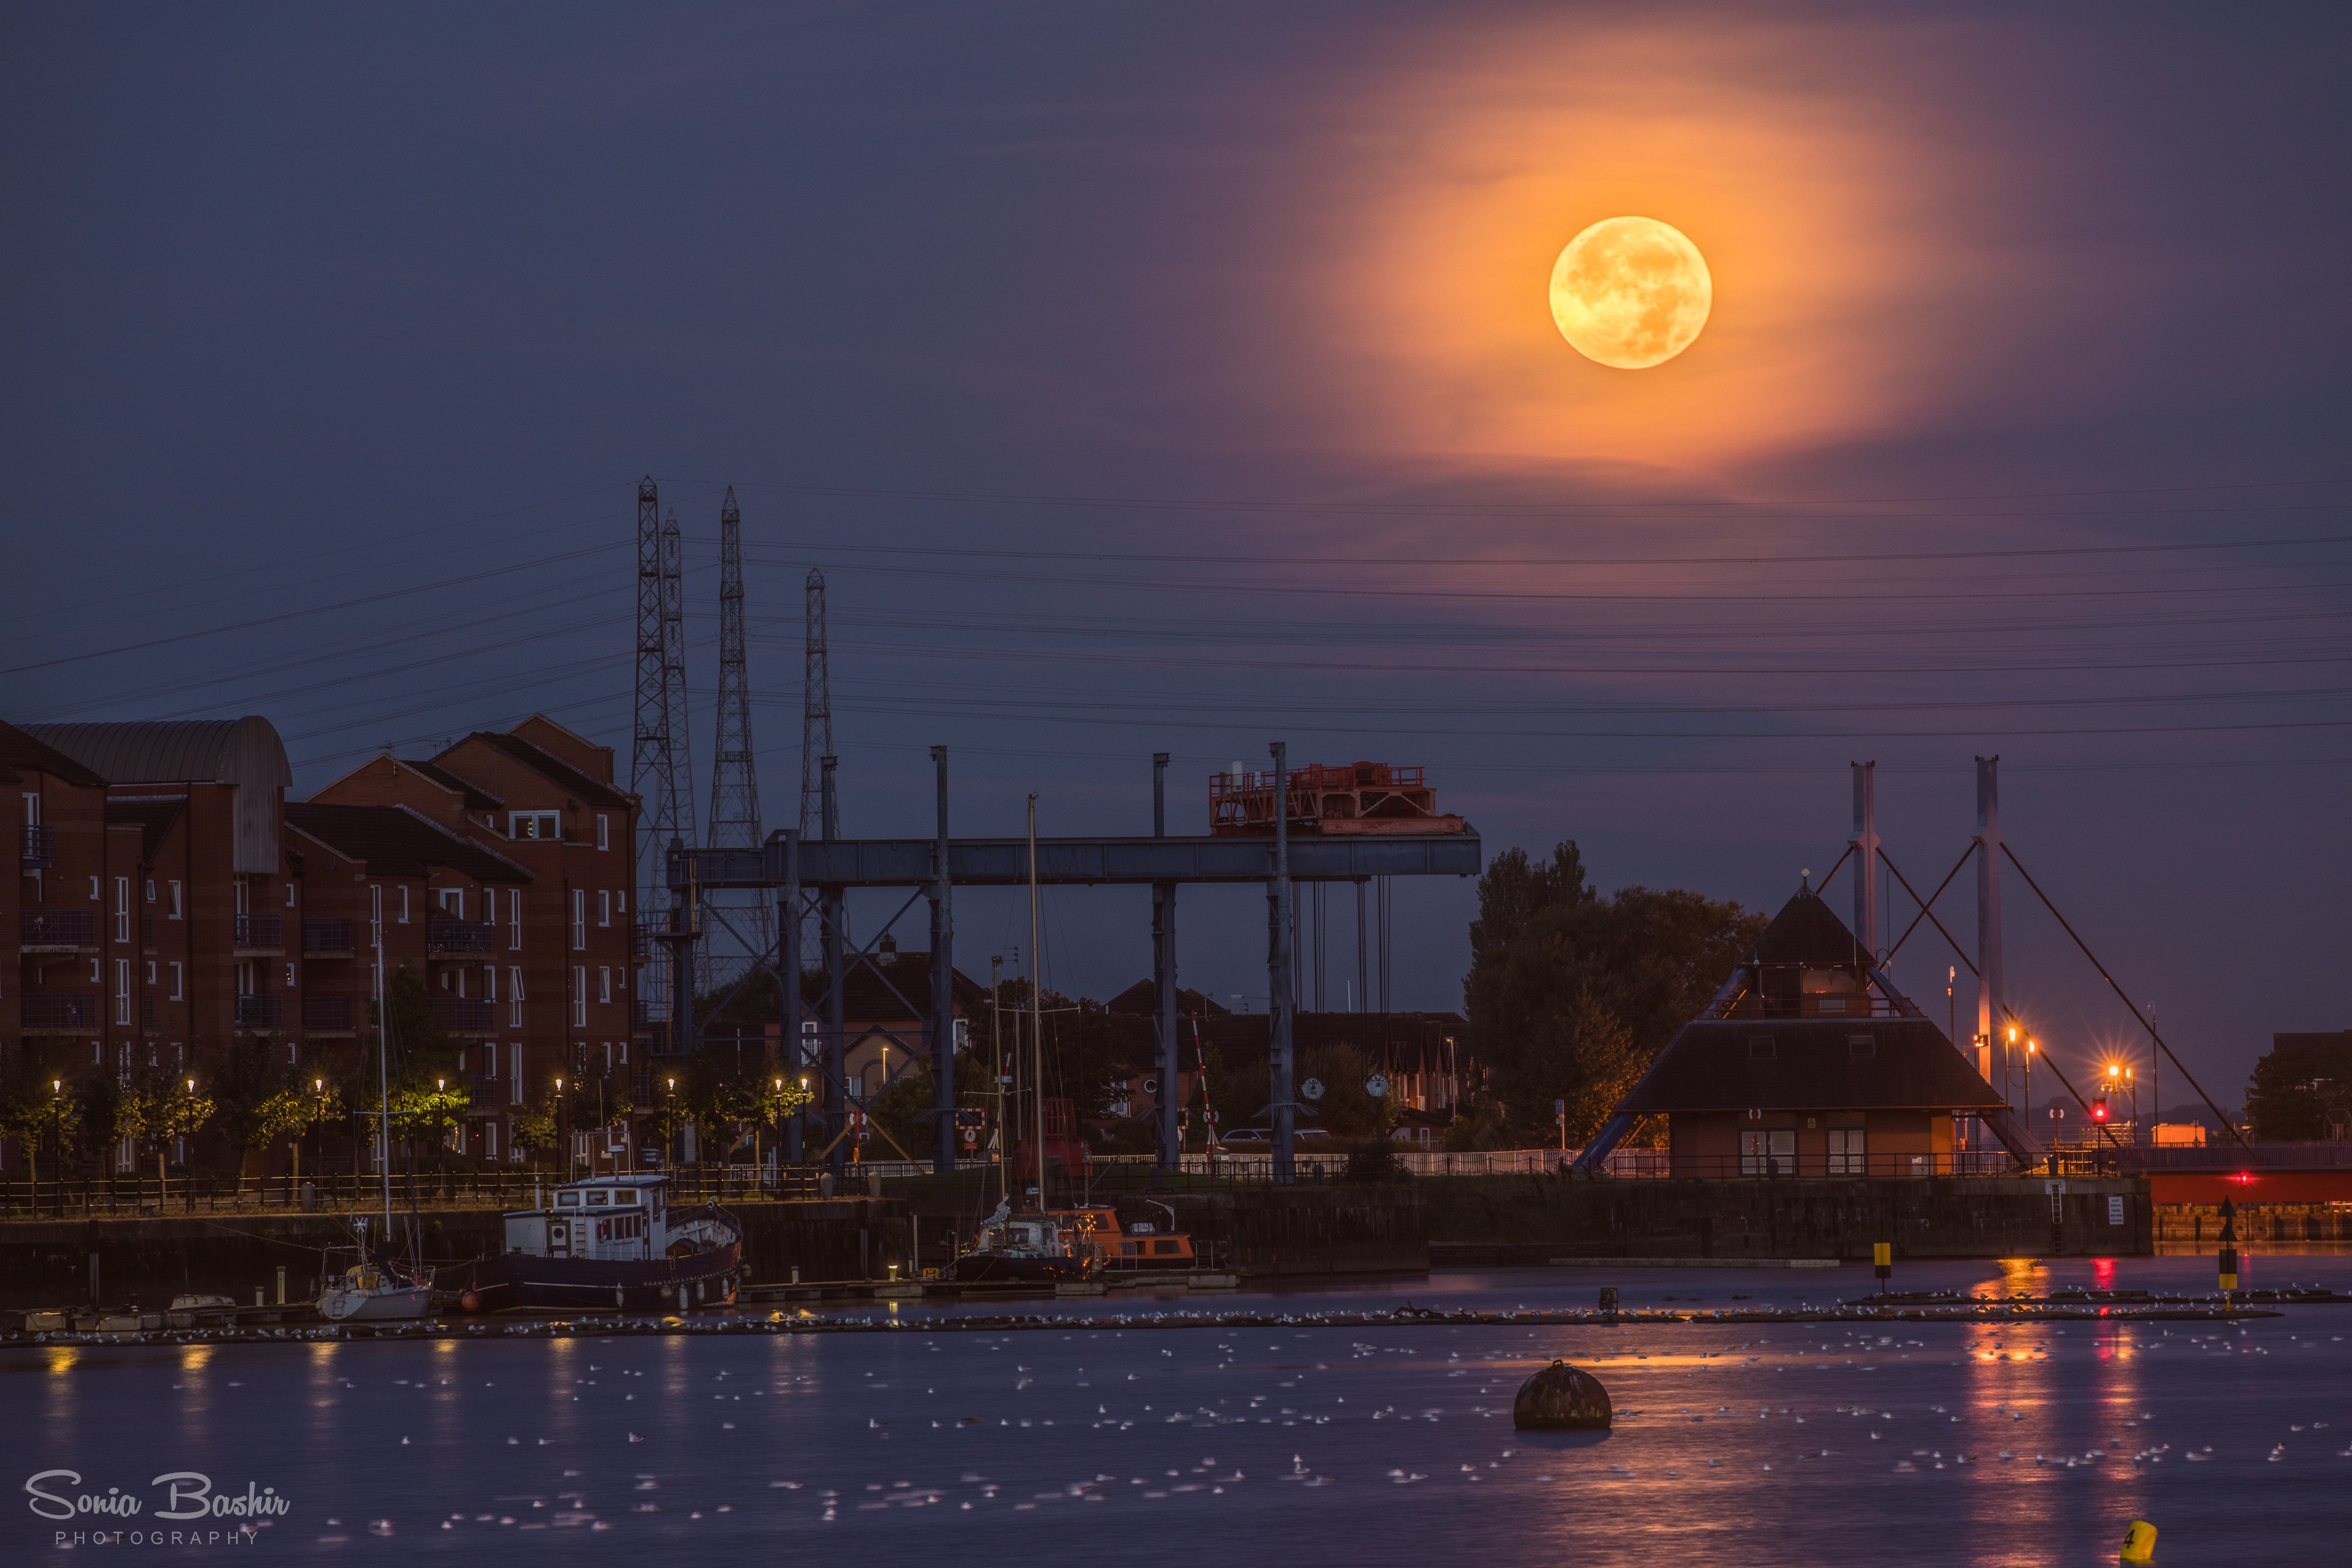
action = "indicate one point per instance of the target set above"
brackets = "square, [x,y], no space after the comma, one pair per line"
[152,815]
[866,997]
[1806,931]
[547,765]
[21,750]
[476,797]
[393,840]
[1810,1064]
[177,751]
[1138,999]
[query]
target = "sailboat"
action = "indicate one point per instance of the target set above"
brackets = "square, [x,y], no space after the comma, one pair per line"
[376,1289]
[1035,1245]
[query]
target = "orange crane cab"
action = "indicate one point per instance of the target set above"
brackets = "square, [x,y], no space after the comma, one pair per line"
[1145,1247]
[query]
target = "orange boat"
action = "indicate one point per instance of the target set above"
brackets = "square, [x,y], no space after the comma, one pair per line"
[1116,1249]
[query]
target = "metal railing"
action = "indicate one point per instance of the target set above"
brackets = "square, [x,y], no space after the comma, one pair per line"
[467,1015]
[260,930]
[334,1189]
[262,1010]
[37,846]
[60,1010]
[327,1010]
[57,928]
[327,933]
[448,933]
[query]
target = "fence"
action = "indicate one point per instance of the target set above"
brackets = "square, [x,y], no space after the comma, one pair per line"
[131,1194]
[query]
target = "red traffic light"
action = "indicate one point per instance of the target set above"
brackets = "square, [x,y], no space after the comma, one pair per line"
[2099,1109]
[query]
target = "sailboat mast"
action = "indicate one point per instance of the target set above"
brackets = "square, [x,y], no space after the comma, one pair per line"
[383,1067]
[996,1043]
[1036,1005]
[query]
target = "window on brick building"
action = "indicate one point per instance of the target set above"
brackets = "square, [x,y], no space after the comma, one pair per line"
[402,916]
[171,905]
[178,994]
[150,890]
[150,971]
[453,900]
[122,909]
[489,982]
[580,996]
[96,972]
[578,918]
[122,990]
[289,977]
[604,832]
[289,895]
[514,920]
[603,906]
[514,1000]
[534,825]
[604,985]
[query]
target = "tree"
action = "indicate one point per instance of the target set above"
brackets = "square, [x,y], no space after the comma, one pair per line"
[1346,1111]
[535,1128]
[2301,1088]
[258,1099]
[1572,994]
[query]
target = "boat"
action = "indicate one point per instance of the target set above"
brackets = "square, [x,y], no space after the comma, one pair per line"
[376,1289]
[1139,1247]
[1026,1248]
[373,1291]
[610,1242]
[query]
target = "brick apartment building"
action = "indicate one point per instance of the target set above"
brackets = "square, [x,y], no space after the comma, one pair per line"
[154,895]
[169,900]
[564,1005]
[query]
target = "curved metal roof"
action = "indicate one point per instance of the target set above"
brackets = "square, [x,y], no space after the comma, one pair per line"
[177,751]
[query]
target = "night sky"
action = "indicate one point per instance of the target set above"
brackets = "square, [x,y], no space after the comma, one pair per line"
[1182,379]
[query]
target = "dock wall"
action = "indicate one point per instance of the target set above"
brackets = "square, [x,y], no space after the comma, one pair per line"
[1495,1220]
[46,1263]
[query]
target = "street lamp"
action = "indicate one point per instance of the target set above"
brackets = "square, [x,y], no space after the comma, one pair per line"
[2032,1048]
[57,1119]
[563,1126]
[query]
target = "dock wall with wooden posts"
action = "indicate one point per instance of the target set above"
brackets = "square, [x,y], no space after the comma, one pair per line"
[1531,1219]
[50,1262]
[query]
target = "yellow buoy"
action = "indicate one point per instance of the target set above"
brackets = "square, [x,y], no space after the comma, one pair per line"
[2140,1541]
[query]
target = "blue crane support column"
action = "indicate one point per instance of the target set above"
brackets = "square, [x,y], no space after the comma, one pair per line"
[791,1002]
[832,908]
[1866,858]
[1990,998]
[1279,969]
[1163,977]
[942,989]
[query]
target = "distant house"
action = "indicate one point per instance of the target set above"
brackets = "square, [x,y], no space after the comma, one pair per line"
[1809,1062]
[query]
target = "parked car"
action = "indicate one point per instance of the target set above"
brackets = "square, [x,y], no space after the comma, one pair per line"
[1248,1138]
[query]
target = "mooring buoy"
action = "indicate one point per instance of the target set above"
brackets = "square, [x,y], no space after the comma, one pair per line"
[1561,1398]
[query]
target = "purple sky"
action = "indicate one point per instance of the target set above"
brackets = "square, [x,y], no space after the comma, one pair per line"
[1184,381]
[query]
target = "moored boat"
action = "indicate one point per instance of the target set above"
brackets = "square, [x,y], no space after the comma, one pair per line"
[1026,1248]
[610,1243]
[1132,1249]
[375,1292]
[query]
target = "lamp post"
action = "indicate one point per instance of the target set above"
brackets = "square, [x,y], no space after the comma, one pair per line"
[2032,1048]
[563,1127]
[57,1121]
[669,1147]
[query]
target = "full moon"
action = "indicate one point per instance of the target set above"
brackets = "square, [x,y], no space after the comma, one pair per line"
[1631,292]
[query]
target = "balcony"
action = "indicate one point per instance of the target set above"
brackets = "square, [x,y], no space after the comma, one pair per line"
[448,933]
[261,931]
[326,935]
[55,1011]
[57,930]
[263,1011]
[38,847]
[464,1015]
[329,1013]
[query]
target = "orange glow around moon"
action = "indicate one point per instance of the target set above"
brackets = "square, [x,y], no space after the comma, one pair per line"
[1631,292]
